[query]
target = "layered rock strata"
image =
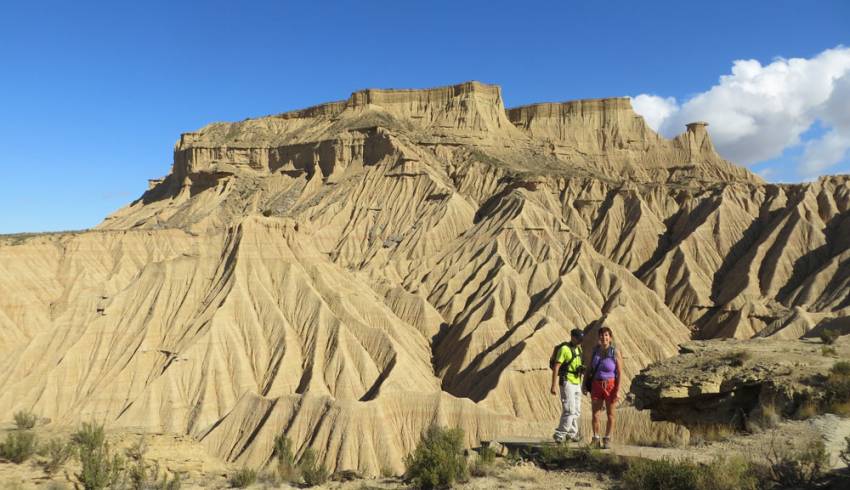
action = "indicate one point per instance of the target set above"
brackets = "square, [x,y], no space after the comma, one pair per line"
[350,273]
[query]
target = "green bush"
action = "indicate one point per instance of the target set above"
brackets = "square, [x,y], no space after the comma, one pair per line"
[828,336]
[438,460]
[18,447]
[723,474]
[796,467]
[664,474]
[720,474]
[287,470]
[25,420]
[89,436]
[57,452]
[99,467]
[312,471]
[242,478]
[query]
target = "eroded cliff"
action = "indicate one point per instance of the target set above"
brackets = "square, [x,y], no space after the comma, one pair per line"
[352,272]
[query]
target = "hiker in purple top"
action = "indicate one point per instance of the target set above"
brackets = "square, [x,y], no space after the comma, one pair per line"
[603,383]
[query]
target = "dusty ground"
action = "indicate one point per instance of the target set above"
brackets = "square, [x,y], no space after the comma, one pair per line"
[188,458]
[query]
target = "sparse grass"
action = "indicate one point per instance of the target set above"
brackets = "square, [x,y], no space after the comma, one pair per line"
[438,460]
[484,463]
[313,472]
[704,433]
[57,452]
[661,475]
[765,417]
[649,441]
[720,474]
[829,336]
[828,351]
[144,476]
[561,457]
[18,447]
[242,478]
[149,477]
[25,420]
[845,453]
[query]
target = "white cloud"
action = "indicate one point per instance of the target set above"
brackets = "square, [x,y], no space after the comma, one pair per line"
[757,112]
[654,109]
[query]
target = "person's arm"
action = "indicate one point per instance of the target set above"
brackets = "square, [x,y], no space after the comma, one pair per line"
[619,375]
[555,370]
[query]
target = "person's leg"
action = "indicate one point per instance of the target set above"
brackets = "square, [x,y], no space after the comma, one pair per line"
[561,432]
[574,396]
[611,407]
[575,391]
[596,405]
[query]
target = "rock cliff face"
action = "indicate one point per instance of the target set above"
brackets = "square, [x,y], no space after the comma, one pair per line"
[352,272]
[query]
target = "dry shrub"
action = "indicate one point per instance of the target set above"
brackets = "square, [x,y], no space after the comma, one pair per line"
[666,474]
[18,447]
[739,358]
[829,336]
[765,417]
[845,453]
[703,433]
[797,466]
[438,460]
[807,408]
[313,472]
[287,470]
[837,389]
[725,473]
[485,462]
[242,478]
[57,452]
[25,420]
[144,476]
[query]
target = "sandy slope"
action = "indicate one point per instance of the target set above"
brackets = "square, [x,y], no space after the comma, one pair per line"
[353,272]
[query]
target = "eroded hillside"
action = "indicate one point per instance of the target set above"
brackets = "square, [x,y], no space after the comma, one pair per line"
[352,272]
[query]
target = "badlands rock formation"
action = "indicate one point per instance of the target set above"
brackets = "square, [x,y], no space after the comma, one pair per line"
[732,381]
[350,273]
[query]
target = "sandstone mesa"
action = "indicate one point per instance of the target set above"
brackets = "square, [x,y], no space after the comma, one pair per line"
[350,273]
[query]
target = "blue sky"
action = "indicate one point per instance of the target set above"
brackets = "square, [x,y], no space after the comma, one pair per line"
[93,95]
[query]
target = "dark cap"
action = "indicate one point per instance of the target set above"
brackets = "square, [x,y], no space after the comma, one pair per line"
[577,333]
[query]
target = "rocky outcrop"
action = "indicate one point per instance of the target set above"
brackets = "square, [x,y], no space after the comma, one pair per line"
[730,382]
[352,272]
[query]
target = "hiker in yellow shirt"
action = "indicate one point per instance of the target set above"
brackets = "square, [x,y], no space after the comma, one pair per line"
[567,368]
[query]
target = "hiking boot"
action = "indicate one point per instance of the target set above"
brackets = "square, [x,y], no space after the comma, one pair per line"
[575,438]
[559,438]
[594,442]
[606,442]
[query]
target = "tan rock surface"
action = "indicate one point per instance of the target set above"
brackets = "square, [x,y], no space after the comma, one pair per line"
[350,273]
